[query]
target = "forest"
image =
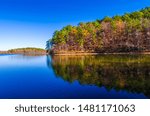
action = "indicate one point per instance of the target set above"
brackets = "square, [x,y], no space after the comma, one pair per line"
[127,33]
[27,51]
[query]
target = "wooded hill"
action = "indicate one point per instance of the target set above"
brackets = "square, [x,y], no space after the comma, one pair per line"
[31,51]
[127,33]
[28,51]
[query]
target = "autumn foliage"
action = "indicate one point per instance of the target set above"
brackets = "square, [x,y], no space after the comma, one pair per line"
[127,33]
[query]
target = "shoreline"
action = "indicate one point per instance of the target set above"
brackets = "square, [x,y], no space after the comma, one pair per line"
[86,54]
[80,53]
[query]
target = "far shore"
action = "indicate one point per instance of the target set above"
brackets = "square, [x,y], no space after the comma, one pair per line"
[25,51]
[30,53]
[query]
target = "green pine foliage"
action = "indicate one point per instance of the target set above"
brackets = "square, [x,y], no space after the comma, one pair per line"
[130,32]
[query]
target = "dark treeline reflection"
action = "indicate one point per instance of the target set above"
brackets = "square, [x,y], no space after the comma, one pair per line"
[119,72]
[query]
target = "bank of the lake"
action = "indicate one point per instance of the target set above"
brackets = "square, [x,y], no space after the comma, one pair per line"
[84,53]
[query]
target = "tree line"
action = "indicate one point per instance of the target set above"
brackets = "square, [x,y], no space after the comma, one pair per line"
[127,33]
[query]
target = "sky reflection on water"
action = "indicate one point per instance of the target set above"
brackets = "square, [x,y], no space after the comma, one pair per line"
[43,77]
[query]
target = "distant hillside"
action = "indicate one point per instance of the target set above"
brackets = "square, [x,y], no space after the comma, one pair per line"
[3,52]
[28,51]
[127,33]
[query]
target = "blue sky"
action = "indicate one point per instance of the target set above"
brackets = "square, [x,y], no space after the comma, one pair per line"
[29,23]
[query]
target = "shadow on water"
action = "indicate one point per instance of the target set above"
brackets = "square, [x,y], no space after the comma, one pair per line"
[130,73]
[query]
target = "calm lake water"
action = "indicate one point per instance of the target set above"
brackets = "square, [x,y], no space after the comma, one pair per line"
[68,77]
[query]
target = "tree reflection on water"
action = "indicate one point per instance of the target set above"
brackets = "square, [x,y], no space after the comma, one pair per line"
[120,72]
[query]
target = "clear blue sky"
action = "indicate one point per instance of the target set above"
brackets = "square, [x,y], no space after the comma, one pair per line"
[29,23]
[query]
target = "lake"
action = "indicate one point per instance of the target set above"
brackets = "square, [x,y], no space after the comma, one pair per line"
[75,77]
